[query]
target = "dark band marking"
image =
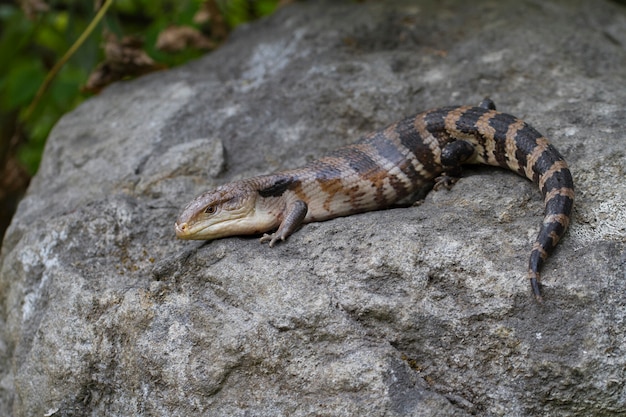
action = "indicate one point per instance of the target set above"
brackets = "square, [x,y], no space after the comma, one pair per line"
[468,122]
[277,188]
[557,218]
[327,168]
[540,250]
[375,154]
[559,192]
[546,235]
[557,176]
[547,159]
[361,162]
[328,176]
[367,168]
[408,135]
[501,123]
[435,123]
[410,138]
[559,203]
[388,150]
[527,140]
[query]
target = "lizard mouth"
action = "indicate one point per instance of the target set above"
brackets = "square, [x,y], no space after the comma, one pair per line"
[196,231]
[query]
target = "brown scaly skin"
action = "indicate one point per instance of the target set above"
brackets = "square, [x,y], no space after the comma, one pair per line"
[389,168]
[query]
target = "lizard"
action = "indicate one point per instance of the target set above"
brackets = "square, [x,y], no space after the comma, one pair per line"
[387,168]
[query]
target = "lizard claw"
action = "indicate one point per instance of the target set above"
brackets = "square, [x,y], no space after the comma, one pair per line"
[273,238]
[445,181]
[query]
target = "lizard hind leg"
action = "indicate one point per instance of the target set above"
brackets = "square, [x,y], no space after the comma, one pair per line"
[488,104]
[453,155]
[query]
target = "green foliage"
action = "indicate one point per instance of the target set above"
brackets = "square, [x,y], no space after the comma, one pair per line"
[29,49]
[237,12]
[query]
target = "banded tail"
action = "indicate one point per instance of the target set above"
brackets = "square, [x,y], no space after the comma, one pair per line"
[501,139]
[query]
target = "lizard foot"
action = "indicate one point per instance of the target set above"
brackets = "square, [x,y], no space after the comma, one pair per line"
[445,181]
[272,238]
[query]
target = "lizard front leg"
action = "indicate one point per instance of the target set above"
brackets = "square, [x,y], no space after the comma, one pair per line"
[295,214]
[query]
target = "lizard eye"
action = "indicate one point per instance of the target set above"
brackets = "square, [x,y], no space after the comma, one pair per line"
[210,209]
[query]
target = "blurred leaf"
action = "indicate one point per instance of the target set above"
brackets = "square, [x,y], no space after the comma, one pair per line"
[32,47]
[51,36]
[16,34]
[64,91]
[30,153]
[265,7]
[126,6]
[235,12]
[30,157]
[21,83]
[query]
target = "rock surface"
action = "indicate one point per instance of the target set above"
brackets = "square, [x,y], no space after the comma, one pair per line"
[422,311]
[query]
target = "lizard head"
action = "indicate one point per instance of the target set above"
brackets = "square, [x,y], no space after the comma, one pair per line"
[229,210]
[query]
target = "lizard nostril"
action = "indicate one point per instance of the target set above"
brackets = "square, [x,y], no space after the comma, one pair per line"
[181,228]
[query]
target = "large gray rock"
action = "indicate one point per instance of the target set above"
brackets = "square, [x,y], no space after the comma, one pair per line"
[421,311]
